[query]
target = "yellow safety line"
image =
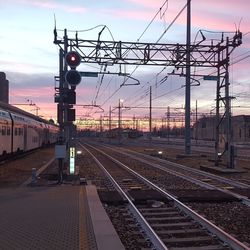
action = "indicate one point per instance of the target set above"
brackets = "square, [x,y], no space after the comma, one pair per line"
[81,220]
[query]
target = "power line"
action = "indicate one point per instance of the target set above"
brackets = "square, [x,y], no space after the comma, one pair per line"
[159,11]
[165,31]
[170,25]
[137,40]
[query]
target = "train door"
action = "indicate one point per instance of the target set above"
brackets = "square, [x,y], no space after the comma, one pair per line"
[12,133]
[25,137]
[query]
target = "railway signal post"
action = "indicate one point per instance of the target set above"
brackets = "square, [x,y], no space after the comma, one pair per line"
[65,97]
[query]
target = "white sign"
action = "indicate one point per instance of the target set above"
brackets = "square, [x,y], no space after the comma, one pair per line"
[72,154]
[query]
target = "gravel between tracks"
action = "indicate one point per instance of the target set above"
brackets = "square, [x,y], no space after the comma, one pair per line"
[232,217]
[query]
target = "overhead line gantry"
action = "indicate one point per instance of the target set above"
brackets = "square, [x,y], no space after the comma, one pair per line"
[209,54]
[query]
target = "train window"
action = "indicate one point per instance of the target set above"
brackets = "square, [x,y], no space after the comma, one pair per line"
[8,130]
[16,131]
[3,130]
[35,139]
[20,131]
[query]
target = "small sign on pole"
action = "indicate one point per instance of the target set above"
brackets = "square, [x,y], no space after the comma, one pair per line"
[60,151]
[88,74]
[210,78]
[72,155]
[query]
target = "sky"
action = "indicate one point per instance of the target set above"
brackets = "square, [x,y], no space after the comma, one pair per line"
[30,59]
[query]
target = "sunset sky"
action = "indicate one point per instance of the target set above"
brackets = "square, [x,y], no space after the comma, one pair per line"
[30,59]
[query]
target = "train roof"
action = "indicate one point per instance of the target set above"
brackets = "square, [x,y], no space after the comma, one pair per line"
[8,107]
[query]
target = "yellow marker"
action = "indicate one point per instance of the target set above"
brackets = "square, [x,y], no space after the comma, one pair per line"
[72,152]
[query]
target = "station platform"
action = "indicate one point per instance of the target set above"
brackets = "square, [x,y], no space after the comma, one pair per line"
[55,217]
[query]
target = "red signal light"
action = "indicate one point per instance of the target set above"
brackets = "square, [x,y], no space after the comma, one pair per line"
[73,59]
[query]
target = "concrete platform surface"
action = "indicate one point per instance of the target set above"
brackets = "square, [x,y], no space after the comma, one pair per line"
[105,234]
[43,218]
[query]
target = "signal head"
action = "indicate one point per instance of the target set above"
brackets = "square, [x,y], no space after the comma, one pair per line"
[73,77]
[73,59]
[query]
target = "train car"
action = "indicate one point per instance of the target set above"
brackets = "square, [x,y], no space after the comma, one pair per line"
[32,134]
[18,125]
[20,131]
[52,133]
[5,132]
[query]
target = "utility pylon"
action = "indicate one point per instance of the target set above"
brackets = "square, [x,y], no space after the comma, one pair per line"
[202,54]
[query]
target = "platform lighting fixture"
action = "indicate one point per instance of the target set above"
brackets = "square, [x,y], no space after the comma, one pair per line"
[121,102]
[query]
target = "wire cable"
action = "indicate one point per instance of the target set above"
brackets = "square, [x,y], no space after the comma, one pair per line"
[159,11]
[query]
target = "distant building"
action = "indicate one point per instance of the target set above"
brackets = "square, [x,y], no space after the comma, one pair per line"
[205,127]
[4,88]
[241,128]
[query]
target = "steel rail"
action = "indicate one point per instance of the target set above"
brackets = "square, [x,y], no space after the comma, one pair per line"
[225,237]
[219,178]
[154,238]
[199,148]
[245,200]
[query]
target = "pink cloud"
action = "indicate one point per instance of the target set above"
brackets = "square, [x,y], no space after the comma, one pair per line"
[223,14]
[50,4]
[147,3]
[43,98]
[128,14]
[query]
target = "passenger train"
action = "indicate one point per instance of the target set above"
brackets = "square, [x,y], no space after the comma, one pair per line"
[21,131]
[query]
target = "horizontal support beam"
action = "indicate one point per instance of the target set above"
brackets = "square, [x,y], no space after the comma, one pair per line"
[154,54]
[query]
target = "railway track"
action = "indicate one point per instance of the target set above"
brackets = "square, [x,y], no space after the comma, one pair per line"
[207,180]
[201,146]
[166,222]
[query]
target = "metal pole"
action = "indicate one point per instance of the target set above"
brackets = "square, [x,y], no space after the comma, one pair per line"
[109,124]
[188,72]
[229,145]
[150,114]
[196,122]
[217,118]
[66,105]
[168,122]
[119,121]
[60,118]
[100,125]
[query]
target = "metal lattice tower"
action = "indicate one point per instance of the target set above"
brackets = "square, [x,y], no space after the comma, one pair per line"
[203,54]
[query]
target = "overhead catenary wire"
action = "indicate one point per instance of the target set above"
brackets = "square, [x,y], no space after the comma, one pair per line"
[165,31]
[139,39]
[157,13]
[173,21]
